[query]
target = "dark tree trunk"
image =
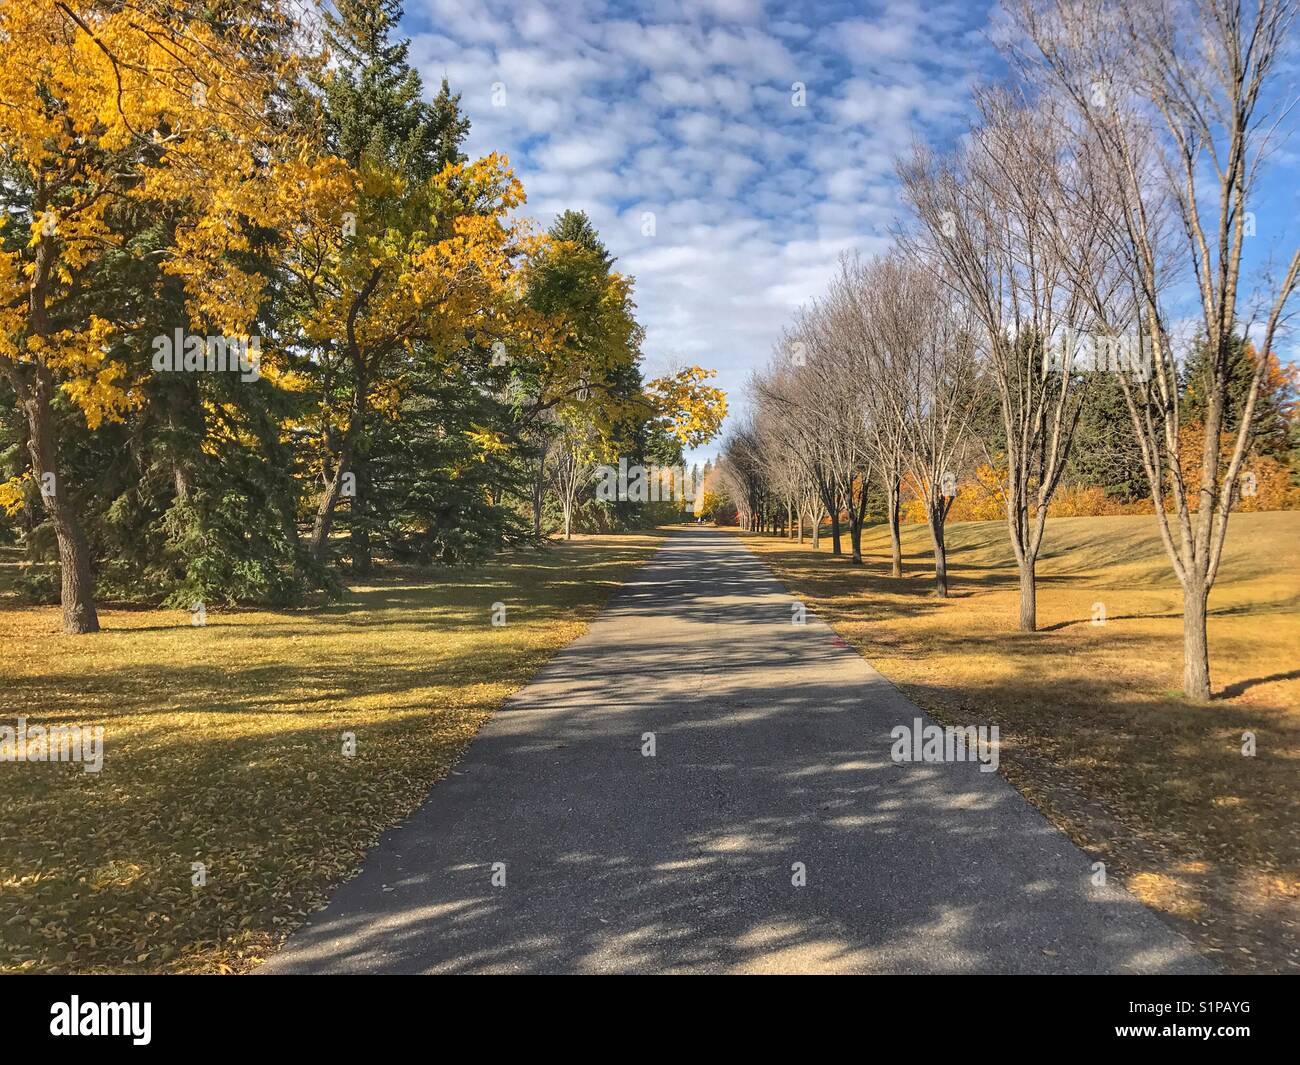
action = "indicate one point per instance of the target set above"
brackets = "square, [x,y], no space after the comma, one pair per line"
[539,494]
[320,532]
[34,387]
[857,513]
[938,514]
[77,591]
[181,415]
[362,559]
[833,514]
[895,537]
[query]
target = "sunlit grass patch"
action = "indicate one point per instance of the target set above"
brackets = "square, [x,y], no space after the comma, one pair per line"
[224,747]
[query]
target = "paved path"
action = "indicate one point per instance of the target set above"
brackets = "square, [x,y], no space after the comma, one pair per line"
[773,748]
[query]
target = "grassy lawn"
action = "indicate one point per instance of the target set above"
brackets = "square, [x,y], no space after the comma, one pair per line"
[223,745]
[1094,730]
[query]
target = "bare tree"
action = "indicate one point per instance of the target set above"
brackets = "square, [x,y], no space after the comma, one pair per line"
[825,388]
[793,434]
[741,472]
[992,215]
[840,367]
[571,466]
[937,370]
[1175,103]
[885,325]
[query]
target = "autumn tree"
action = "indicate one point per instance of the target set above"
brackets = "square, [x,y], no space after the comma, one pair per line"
[686,406]
[937,394]
[109,108]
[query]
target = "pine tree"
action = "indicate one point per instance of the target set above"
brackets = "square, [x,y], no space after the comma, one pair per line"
[1105,453]
[374,107]
[1273,407]
[576,228]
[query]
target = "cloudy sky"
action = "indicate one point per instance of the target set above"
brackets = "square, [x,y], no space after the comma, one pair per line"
[677,127]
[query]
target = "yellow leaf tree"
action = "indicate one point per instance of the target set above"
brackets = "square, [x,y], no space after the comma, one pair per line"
[107,109]
[383,271]
[689,408]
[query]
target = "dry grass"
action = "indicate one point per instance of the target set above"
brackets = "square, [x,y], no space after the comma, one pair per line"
[223,746]
[1093,727]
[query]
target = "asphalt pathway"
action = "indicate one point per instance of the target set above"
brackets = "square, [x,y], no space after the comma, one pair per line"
[771,757]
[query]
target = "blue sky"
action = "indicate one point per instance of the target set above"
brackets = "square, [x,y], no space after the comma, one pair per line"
[686,111]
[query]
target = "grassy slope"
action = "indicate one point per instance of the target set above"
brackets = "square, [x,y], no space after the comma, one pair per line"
[222,745]
[1093,728]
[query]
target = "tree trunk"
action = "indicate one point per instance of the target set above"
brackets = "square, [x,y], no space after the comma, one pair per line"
[817,530]
[835,533]
[320,531]
[940,552]
[77,585]
[1028,597]
[539,494]
[895,538]
[182,431]
[799,527]
[1196,650]
[857,514]
[34,387]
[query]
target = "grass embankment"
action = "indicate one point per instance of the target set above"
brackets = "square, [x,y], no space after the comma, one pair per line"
[223,745]
[1094,729]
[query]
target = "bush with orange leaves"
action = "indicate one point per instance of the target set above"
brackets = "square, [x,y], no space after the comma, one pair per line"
[1265,485]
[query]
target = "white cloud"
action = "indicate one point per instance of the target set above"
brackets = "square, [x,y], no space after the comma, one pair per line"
[685,111]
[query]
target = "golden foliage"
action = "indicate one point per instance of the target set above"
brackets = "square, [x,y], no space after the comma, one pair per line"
[692,410]
[108,105]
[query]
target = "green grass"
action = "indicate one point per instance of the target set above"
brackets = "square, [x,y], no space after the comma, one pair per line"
[223,745]
[1094,729]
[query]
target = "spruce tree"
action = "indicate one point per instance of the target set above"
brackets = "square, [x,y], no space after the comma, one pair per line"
[374,107]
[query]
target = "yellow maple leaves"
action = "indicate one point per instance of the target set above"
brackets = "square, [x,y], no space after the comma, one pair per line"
[692,410]
[108,106]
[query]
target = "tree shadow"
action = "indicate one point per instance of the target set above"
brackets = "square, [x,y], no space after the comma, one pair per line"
[772,763]
[1231,691]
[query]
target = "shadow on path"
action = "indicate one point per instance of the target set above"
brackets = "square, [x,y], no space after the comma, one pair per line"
[772,750]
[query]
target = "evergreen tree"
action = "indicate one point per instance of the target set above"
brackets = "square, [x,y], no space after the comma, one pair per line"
[374,107]
[575,227]
[1274,405]
[1105,452]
